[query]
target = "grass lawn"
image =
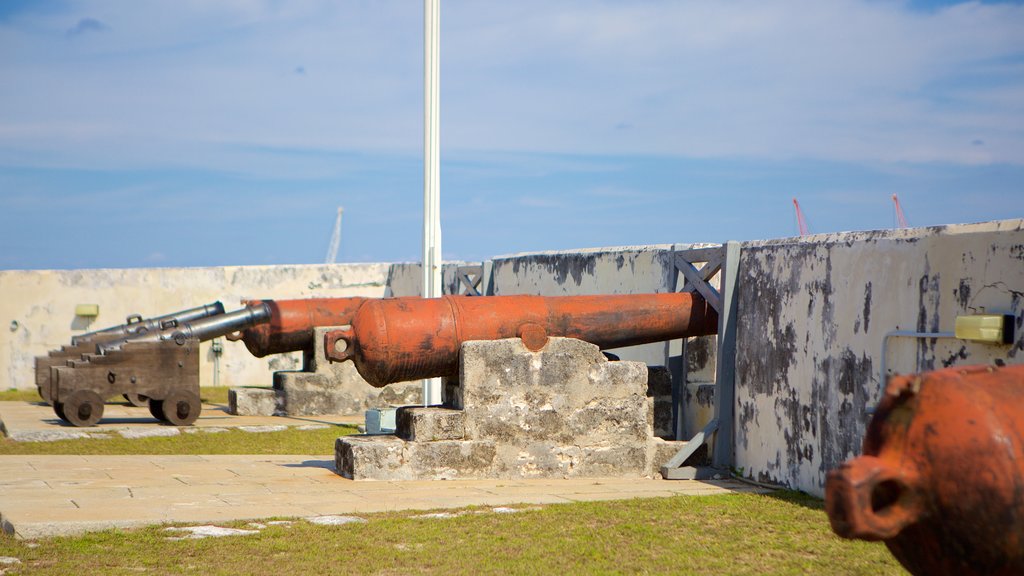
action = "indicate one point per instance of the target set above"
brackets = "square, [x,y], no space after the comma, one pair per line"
[209,394]
[782,533]
[291,441]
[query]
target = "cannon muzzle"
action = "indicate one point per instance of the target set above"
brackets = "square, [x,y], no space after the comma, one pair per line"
[291,323]
[400,339]
[941,478]
[135,325]
[199,330]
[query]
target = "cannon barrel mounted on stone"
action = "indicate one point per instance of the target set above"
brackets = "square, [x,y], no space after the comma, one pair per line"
[292,323]
[400,339]
[161,366]
[941,478]
[134,325]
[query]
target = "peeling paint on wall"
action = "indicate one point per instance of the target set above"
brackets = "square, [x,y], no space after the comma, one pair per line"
[812,315]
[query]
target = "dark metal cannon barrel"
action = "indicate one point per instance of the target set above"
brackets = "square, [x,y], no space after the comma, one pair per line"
[198,330]
[136,325]
[400,339]
[291,324]
[941,478]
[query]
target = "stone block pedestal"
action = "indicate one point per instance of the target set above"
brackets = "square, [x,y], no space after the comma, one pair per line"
[565,411]
[252,402]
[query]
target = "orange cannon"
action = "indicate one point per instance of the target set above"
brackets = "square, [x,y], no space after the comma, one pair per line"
[292,322]
[402,339]
[941,481]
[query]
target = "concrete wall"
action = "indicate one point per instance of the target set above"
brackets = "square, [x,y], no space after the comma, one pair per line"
[812,314]
[37,308]
[406,278]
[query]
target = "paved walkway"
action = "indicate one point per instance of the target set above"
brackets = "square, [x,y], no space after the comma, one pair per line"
[54,495]
[30,421]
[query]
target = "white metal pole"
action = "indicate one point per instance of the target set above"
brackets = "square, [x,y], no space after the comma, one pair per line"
[431,168]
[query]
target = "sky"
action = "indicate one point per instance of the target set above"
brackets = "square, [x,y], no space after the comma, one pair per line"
[197,133]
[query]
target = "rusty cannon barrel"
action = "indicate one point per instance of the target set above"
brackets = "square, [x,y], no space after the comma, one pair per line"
[941,479]
[292,323]
[400,339]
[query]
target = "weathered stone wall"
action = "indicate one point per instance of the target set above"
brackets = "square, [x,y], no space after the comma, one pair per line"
[37,308]
[812,314]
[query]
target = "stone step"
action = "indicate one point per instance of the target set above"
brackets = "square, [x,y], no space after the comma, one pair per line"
[391,458]
[430,424]
[661,451]
[314,393]
[252,401]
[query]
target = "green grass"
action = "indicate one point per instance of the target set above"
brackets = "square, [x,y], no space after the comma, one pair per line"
[208,394]
[19,395]
[290,441]
[783,533]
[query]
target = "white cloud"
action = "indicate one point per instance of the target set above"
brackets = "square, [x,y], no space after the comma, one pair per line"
[193,83]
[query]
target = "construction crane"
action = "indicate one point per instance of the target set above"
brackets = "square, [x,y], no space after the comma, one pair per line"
[901,220]
[801,223]
[332,248]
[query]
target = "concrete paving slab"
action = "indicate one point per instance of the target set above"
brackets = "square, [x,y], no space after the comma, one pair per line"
[53,495]
[35,421]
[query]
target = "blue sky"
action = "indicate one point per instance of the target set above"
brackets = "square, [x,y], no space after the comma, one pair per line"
[194,133]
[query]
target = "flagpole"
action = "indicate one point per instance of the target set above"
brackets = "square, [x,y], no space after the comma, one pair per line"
[431,168]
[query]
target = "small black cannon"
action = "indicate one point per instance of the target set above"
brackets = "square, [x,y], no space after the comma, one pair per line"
[162,366]
[135,325]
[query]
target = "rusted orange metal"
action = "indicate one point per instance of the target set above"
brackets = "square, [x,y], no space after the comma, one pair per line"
[941,481]
[292,322]
[402,339]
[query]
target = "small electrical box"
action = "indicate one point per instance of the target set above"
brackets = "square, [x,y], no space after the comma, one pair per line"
[380,421]
[87,310]
[994,328]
